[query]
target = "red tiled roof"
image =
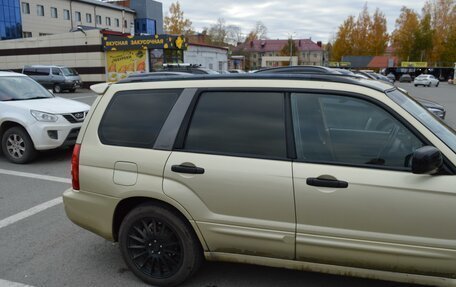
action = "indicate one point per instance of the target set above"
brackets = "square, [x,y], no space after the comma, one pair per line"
[381,62]
[277,45]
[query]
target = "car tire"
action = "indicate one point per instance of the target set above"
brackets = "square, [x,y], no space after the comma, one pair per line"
[57,89]
[158,246]
[416,85]
[436,85]
[430,84]
[17,145]
[72,90]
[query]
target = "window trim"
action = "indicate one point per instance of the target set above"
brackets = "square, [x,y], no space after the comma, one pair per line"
[25,5]
[179,144]
[41,10]
[56,13]
[66,15]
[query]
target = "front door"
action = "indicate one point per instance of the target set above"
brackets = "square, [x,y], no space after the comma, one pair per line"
[357,202]
[233,175]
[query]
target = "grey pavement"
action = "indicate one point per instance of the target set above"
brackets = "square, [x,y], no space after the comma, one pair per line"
[46,249]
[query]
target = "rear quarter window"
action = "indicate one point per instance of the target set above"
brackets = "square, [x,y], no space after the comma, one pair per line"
[135,118]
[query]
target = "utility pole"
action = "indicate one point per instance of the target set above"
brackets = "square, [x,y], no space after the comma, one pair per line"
[290,43]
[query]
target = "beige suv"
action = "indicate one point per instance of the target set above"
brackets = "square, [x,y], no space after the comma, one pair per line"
[312,172]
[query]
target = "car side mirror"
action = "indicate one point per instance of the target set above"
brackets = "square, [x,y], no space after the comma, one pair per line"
[426,160]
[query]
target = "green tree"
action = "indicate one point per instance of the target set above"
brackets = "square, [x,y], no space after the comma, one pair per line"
[377,38]
[343,44]
[176,23]
[289,49]
[423,38]
[259,32]
[403,37]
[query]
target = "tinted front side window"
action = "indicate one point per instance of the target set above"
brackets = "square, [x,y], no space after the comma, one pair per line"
[134,118]
[239,123]
[347,130]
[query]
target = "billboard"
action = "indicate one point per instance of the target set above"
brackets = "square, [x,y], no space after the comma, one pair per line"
[414,64]
[122,63]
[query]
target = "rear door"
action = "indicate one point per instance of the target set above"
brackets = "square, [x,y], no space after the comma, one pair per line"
[230,171]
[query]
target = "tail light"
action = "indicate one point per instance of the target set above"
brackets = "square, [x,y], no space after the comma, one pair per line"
[75,167]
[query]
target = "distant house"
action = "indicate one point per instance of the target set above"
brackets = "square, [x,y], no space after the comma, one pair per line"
[310,53]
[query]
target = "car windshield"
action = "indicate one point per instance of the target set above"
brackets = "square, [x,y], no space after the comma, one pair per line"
[437,127]
[422,76]
[16,88]
[69,72]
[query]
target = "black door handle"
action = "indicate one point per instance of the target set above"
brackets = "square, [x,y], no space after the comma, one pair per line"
[187,169]
[327,182]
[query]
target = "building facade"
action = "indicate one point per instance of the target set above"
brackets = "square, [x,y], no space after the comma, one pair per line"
[308,52]
[207,56]
[49,17]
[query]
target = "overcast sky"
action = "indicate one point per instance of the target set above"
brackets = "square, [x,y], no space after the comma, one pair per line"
[318,19]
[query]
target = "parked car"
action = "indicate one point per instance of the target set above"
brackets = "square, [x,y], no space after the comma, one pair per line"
[57,78]
[32,119]
[159,74]
[309,171]
[236,71]
[187,68]
[426,81]
[298,70]
[392,77]
[405,78]
[383,78]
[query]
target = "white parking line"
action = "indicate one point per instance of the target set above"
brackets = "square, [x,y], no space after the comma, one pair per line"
[29,212]
[5,283]
[34,175]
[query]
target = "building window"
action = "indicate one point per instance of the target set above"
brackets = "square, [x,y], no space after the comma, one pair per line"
[44,34]
[26,34]
[89,18]
[25,8]
[77,16]
[315,55]
[54,12]
[98,19]
[108,21]
[40,10]
[66,14]
[125,23]
[117,22]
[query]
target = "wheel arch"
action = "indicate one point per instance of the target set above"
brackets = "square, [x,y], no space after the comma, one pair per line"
[4,126]
[128,204]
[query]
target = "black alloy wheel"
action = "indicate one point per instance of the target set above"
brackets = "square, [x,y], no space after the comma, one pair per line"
[154,247]
[158,246]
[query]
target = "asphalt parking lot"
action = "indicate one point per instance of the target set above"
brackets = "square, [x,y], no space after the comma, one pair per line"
[39,246]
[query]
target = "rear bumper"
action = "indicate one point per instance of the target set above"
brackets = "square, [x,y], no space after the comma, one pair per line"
[91,211]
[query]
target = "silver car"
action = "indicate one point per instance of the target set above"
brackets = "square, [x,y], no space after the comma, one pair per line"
[57,78]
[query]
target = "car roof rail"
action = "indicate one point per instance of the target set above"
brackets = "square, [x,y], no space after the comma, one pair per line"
[335,78]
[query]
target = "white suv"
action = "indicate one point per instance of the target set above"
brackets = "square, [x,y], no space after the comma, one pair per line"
[32,119]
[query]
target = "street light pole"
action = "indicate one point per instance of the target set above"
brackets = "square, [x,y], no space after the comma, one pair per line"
[291,48]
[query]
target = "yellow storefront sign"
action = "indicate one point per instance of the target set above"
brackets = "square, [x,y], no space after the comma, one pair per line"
[414,64]
[122,63]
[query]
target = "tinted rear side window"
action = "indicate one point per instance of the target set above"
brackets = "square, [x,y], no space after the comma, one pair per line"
[134,118]
[239,123]
[43,71]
